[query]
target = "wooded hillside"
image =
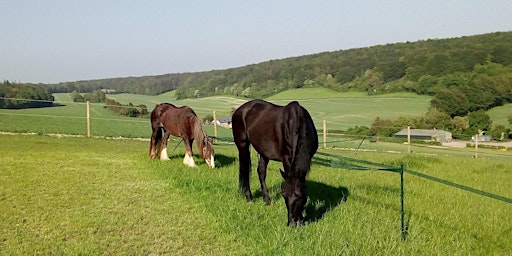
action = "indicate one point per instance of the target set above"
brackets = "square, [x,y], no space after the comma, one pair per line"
[377,69]
[461,74]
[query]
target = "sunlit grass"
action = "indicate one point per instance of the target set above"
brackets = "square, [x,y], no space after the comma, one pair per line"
[84,196]
[102,196]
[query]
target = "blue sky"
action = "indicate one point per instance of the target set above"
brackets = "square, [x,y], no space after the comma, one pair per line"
[57,41]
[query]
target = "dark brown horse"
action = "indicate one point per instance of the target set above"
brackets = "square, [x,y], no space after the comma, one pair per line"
[285,134]
[167,119]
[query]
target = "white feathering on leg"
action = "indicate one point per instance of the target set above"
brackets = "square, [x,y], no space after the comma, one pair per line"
[189,161]
[163,154]
[212,161]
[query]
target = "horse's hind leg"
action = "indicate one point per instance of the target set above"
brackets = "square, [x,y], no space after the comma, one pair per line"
[163,147]
[262,174]
[154,144]
[188,160]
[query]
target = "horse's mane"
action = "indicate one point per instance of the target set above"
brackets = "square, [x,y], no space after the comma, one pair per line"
[302,142]
[199,134]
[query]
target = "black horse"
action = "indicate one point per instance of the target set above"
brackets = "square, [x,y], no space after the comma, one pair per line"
[285,134]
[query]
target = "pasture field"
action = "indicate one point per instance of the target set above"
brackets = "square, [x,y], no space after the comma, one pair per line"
[499,115]
[97,196]
[340,110]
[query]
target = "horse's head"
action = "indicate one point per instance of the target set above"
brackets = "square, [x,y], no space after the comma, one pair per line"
[208,153]
[295,198]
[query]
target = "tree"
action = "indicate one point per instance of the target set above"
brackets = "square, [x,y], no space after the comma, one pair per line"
[246,92]
[459,123]
[499,132]
[452,102]
[435,118]
[383,127]
[76,96]
[478,121]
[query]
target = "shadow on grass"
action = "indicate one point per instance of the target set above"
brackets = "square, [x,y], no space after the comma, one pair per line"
[322,199]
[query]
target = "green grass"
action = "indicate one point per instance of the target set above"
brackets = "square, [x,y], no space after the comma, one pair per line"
[499,115]
[340,110]
[85,196]
[102,196]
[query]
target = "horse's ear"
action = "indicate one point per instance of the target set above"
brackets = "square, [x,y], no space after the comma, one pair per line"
[283,174]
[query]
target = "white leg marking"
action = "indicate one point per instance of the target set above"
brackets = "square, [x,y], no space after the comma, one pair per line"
[189,160]
[163,154]
[212,161]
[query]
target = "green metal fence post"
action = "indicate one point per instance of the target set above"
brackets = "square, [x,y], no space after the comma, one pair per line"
[402,200]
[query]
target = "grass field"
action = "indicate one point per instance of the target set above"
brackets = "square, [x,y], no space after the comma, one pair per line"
[499,115]
[340,110]
[80,196]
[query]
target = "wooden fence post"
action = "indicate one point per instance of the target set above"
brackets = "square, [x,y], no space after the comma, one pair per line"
[214,124]
[476,146]
[88,120]
[408,139]
[325,134]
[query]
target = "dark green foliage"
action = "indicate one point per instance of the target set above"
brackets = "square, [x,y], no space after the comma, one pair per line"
[478,121]
[97,96]
[383,127]
[17,96]
[358,130]
[76,96]
[453,102]
[126,110]
[420,64]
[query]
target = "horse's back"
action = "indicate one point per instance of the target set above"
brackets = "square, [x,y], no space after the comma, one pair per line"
[274,130]
[173,119]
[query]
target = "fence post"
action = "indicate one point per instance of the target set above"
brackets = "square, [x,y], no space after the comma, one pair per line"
[476,146]
[402,211]
[214,124]
[88,120]
[408,139]
[325,133]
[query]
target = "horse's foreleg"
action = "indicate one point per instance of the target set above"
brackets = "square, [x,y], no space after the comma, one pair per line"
[188,160]
[262,174]
[163,147]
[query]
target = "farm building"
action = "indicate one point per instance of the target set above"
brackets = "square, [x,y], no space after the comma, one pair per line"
[427,135]
[224,122]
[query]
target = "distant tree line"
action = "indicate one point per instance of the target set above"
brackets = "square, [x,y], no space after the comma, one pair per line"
[463,75]
[17,96]
[99,96]
[375,70]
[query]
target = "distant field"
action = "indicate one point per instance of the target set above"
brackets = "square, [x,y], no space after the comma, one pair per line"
[499,115]
[340,110]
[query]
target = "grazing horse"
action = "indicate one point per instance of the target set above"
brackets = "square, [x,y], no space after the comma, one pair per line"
[285,134]
[167,119]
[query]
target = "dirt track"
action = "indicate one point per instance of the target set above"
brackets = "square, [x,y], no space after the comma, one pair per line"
[462,144]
